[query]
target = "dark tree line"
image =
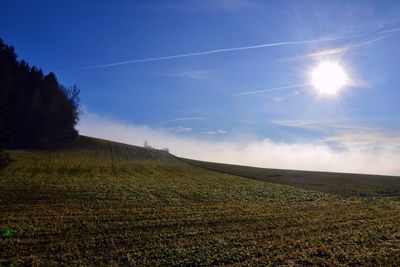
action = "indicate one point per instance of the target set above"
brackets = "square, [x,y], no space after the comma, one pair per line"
[35,110]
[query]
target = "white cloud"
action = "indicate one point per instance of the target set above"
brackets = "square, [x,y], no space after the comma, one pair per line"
[370,138]
[182,129]
[187,119]
[318,155]
[216,132]
[321,125]
[327,53]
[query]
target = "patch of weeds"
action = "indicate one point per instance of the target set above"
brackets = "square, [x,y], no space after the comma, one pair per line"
[7,233]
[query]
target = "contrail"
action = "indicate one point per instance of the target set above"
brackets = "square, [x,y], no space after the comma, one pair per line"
[222,50]
[271,89]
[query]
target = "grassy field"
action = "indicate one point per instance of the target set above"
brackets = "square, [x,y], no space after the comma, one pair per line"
[102,203]
[344,184]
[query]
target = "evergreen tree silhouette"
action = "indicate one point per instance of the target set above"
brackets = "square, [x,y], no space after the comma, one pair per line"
[35,110]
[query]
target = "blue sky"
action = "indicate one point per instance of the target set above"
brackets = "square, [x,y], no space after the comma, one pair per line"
[193,97]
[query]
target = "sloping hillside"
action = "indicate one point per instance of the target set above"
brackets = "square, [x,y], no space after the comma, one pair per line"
[107,150]
[103,203]
[100,169]
[344,184]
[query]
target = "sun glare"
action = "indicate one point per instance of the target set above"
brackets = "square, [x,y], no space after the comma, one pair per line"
[328,78]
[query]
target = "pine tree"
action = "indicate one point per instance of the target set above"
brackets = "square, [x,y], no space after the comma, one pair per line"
[35,110]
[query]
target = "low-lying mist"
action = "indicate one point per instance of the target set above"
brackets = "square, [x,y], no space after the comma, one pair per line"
[347,156]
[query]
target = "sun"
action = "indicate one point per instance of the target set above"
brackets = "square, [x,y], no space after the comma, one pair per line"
[329,78]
